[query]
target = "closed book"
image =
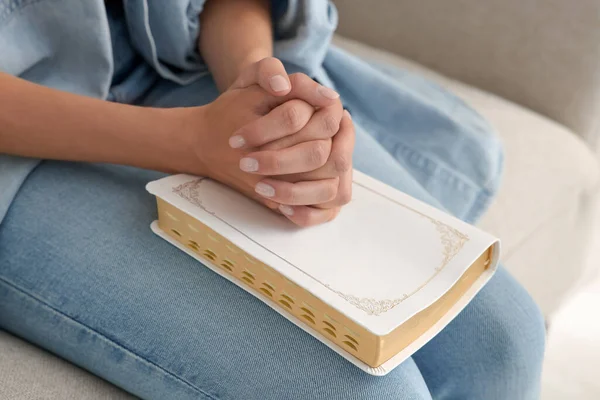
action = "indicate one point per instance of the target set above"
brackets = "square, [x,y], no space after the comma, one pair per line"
[374,285]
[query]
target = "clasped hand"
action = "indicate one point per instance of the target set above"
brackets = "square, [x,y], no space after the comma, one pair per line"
[282,140]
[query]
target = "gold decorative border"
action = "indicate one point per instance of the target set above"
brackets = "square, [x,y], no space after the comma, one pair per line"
[451,239]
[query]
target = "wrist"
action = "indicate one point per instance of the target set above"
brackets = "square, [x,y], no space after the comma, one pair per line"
[169,143]
[233,34]
[180,140]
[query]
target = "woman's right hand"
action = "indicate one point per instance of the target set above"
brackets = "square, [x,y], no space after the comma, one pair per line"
[214,137]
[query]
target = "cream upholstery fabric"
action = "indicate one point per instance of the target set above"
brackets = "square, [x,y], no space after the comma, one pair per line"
[28,373]
[548,191]
[544,55]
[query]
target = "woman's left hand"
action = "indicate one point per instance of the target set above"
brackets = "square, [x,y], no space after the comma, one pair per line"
[268,73]
[338,166]
[328,122]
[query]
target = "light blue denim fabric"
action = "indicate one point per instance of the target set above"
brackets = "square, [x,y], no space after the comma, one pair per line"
[153,43]
[66,44]
[40,43]
[82,275]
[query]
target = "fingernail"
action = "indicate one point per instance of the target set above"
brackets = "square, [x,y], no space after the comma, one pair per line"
[249,164]
[237,141]
[287,210]
[264,190]
[347,114]
[278,83]
[326,92]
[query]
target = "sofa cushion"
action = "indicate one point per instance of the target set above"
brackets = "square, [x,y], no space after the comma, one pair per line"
[29,373]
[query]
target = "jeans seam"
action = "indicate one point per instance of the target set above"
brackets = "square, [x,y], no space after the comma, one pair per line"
[457,182]
[110,341]
[483,195]
[478,206]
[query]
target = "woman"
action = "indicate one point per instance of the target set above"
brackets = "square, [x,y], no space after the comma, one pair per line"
[80,272]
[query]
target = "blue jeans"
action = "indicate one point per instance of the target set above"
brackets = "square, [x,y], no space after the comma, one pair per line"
[82,275]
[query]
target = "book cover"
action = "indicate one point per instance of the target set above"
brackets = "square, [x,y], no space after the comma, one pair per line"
[374,285]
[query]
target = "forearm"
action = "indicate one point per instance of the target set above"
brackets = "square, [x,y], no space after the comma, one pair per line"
[40,122]
[234,34]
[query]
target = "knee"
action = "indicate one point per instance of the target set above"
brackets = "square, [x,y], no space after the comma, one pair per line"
[520,344]
[479,154]
[517,336]
[493,350]
[495,151]
[486,168]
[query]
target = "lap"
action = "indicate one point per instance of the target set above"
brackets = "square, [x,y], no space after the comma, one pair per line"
[82,275]
[91,282]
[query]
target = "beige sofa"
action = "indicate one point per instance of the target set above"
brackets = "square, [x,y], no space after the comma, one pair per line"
[533,69]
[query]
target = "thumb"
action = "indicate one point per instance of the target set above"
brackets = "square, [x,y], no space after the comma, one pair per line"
[268,73]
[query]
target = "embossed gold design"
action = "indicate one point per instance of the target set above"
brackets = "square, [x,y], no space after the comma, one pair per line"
[452,241]
[189,191]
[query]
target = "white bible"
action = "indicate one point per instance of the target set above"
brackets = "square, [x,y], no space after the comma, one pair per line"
[375,284]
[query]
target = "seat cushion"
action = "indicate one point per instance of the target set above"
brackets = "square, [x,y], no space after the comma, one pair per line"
[550,174]
[29,373]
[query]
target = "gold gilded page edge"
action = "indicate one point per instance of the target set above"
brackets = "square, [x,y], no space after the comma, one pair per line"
[451,239]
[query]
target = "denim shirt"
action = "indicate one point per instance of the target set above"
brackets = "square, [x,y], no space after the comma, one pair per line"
[440,146]
[72,45]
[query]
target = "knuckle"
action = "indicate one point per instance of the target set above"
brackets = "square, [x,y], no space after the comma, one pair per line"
[291,117]
[318,154]
[273,162]
[267,62]
[330,192]
[342,164]
[298,78]
[261,66]
[352,130]
[335,212]
[291,194]
[276,63]
[344,197]
[251,136]
[330,124]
